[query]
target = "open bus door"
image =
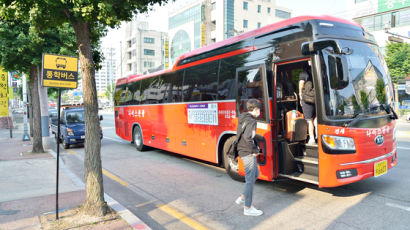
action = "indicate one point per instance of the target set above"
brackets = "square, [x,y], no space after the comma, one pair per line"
[296,159]
[252,83]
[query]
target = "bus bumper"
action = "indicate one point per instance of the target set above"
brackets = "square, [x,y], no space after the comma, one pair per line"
[349,172]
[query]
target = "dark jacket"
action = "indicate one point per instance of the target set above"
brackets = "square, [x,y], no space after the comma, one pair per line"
[246,144]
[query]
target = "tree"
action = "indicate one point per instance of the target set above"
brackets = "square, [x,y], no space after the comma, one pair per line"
[21,48]
[108,92]
[89,19]
[398,60]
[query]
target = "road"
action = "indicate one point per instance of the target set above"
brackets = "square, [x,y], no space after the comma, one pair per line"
[172,192]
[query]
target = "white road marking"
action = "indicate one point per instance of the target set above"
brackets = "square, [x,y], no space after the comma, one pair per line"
[398,206]
[113,139]
[403,148]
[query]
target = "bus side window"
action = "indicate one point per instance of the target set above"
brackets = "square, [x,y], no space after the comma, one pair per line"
[173,87]
[134,88]
[226,79]
[250,85]
[146,91]
[200,82]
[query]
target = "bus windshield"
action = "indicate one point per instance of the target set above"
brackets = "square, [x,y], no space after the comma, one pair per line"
[355,80]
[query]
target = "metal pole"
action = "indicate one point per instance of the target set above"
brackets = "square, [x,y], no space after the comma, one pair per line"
[26,137]
[9,118]
[58,147]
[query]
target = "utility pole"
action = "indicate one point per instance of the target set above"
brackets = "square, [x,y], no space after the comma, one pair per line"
[26,137]
[121,57]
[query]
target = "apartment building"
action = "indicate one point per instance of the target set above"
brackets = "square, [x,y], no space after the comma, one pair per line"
[142,49]
[204,22]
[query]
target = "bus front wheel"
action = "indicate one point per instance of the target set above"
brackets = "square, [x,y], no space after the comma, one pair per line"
[138,140]
[231,164]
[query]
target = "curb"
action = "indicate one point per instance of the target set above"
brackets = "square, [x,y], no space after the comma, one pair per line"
[126,214]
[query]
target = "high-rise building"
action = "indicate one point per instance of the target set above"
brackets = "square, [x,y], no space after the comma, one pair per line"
[204,22]
[107,75]
[142,49]
[387,20]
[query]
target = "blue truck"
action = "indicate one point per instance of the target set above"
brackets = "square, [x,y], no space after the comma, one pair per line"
[72,126]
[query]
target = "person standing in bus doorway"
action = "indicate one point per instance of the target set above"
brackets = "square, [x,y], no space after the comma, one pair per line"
[308,106]
[248,151]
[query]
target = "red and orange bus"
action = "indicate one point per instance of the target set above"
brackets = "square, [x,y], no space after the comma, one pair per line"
[192,109]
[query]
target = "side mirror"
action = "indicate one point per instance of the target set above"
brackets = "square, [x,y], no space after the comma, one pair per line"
[101,117]
[309,48]
[337,75]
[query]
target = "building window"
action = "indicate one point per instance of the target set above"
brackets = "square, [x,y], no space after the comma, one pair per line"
[259,25]
[149,64]
[213,6]
[245,23]
[149,40]
[282,14]
[149,52]
[133,41]
[268,10]
[245,5]
[259,8]
[134,53]
[359,1]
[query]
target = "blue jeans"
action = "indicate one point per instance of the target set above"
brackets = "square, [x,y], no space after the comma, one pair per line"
[251,174]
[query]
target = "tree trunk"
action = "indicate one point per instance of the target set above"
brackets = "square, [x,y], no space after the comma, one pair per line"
[94,203]
[35,102]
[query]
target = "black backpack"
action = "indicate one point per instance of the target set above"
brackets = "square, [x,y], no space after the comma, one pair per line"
[233,149]
[308,93]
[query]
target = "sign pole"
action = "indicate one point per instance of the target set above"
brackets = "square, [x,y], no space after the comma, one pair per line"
[58,147]
[26,137]
[59,71]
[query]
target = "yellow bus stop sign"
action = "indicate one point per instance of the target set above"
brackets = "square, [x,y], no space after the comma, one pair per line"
[4,100]
[60,71]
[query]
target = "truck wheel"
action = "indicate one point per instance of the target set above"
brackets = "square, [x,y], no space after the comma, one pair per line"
[138,139]
[65,144]
[231,164]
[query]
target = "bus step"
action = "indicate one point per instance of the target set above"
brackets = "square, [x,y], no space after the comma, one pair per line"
[307,165]
[302,177]
[311,151]
[307,160]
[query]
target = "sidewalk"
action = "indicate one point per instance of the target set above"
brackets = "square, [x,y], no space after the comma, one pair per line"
[28,186]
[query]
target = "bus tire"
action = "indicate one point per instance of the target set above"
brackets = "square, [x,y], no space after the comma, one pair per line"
[231,165]
[138,139]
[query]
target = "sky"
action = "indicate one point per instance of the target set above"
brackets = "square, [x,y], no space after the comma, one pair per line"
[158,17]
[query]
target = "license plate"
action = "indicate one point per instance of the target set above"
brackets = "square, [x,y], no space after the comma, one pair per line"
[380,168]
[82,137]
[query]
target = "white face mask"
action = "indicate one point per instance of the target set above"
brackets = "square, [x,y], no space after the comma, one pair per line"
[256,112]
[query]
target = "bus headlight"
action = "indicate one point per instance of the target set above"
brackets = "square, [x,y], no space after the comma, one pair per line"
[339,143]
[70,132]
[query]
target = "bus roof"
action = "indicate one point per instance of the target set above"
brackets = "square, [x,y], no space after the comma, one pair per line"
[260,31]
[240,37]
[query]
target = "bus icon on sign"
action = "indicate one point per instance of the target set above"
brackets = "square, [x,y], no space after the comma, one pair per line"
[61,62]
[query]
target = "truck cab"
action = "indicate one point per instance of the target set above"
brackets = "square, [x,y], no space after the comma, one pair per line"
[72,126]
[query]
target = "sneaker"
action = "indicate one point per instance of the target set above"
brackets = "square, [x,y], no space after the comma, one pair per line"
[239,201]
[252,211]
[312,142]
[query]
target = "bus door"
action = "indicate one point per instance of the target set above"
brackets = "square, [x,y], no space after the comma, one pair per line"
[252,83]
[296,159]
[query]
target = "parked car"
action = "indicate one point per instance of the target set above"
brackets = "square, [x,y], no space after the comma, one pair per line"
[72,126]
[408,116]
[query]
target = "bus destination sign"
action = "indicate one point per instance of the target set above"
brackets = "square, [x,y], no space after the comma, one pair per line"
[60,71]
[203,113]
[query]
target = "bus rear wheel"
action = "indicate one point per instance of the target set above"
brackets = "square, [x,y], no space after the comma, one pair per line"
[138,139]
[231,164]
